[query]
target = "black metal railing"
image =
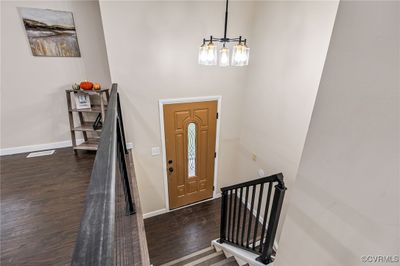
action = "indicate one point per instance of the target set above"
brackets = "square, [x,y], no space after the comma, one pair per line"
[250,215]
[96,238]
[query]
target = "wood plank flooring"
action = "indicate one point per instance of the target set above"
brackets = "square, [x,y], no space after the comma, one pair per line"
[42,201]
[179,233]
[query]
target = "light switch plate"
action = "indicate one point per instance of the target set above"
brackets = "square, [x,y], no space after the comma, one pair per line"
[155,151]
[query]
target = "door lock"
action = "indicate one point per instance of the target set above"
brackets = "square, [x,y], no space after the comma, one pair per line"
[170,169]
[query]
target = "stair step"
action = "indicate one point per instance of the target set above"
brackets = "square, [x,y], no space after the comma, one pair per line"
[208,260]
[191,257]
[231,261]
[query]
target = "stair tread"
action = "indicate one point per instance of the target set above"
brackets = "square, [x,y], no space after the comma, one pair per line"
[208,260]
[191,257]
[231,261]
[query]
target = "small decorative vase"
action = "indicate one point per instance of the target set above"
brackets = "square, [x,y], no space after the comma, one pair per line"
[75,87]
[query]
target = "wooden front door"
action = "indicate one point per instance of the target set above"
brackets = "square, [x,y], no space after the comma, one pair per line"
[190,130]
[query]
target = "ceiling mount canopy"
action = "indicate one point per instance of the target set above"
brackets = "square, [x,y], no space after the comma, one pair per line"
[209,56]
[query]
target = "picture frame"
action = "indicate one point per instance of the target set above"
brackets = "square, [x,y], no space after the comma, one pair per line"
[50,32]
[82,101]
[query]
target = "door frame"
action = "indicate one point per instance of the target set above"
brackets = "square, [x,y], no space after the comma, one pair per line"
[161,104]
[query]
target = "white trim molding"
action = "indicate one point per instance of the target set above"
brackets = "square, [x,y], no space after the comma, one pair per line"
[37,147]
[154,213]
[45,146]
[161,103]
[164,210]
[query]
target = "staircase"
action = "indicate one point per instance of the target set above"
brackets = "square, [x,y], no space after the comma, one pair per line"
[205,257]
[249,222]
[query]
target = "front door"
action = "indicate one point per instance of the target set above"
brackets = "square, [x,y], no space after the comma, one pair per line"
[190,130]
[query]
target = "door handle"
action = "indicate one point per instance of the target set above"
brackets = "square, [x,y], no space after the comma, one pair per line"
[170,169]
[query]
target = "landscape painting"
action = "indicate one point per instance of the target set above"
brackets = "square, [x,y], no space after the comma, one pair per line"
[50,32]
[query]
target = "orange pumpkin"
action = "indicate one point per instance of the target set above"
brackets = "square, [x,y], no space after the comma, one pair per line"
[96,86]
[86,85]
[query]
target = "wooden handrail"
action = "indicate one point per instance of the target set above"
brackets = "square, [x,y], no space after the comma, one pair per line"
[96,238]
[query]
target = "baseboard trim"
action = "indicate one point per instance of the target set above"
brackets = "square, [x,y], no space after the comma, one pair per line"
[154,213]
[38,147]
[46,146]
[164,210]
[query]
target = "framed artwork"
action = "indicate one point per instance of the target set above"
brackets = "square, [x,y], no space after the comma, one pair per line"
[82,101]
[50,32]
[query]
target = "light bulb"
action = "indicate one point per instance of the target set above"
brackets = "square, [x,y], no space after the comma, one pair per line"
[203,55]
[211,54]
[208,54]
[245,55]
[224,56]
[240,55]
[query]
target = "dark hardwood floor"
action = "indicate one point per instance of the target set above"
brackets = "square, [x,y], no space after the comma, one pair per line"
[176,234]
[42,201]
[179,233]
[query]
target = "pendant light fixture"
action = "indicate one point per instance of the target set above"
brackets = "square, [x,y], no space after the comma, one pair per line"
[209,56]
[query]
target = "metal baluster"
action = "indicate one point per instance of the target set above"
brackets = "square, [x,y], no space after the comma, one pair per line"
[258,215]
[240,208]
[224,201]
[130,208]
[244,214]
[230,216]
[251,215]
[119,111]
[234,218]
[273,224]
[265,215]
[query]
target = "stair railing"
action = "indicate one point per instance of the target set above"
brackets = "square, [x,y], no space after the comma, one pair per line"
[95,244]
[250,217]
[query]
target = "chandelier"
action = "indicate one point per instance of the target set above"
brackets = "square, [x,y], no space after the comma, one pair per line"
[210,56]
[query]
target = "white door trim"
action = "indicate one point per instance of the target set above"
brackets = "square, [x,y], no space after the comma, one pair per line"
[164,154]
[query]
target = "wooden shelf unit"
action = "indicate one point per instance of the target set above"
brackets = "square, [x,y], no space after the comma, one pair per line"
[91,136]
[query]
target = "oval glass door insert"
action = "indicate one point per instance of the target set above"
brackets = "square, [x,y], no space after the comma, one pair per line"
[191,149]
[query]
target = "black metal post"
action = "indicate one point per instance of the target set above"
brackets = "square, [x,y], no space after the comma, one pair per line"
[222,228]
[130,207]
[234,217]
[260,197]
[226,20]
[239,214]
[119,110]
[253,191]
[272,224]
[264,226]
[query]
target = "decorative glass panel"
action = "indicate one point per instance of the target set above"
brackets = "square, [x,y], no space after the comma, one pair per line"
[191,149]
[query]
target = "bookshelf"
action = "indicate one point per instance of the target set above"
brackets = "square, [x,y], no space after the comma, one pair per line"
[82,119]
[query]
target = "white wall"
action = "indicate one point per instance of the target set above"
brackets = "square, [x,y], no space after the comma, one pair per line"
[33,104]
[346,202]
[289,45]
[152,48]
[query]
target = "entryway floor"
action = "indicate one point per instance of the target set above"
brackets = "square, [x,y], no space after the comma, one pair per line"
[42,200]
[41,204]
[179,233]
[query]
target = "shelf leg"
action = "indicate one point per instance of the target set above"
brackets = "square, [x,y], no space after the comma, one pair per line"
[103,115]
[71,121]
